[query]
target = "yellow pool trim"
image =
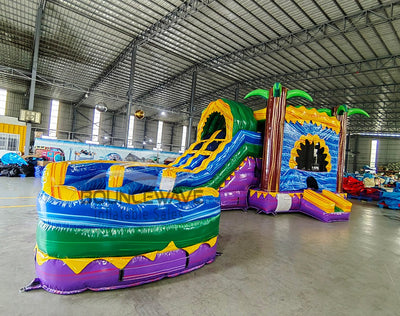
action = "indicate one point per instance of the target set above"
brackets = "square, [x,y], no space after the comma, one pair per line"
[70,193]
[78,264]
[54,177]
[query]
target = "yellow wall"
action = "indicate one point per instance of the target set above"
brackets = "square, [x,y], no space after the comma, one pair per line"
[15,129]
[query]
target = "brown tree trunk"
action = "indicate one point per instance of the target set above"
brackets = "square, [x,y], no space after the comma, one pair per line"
[342,151]
[273,141]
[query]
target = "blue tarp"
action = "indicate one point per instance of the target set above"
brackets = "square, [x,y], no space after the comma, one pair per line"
[13,158]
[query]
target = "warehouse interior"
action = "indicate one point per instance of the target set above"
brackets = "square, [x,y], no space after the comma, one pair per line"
[169,60]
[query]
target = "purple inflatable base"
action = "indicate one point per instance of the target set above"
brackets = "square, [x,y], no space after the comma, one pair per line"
[56,277]
[311,210]
[233,193]
[269,203]
[234,200]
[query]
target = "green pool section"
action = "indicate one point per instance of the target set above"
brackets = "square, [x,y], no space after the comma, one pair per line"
[66,242]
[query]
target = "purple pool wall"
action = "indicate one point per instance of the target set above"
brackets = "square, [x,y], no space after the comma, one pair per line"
[312,210]
[56,277]
[268,203]
[234,191]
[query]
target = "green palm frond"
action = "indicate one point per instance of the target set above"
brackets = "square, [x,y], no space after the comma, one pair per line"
[277,92]
[299,93]
[277,89]
[341,109]
[258,92]
[357,111]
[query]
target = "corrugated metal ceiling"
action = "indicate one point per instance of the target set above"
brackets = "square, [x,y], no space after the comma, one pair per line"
[340,51]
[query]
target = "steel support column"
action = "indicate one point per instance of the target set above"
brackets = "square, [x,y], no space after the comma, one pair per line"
[144,132]
[112,129]
[130,94]
[172,136]
[346,167]
[72,135]
[355,158]
[342,118]
[192,97]
[38,26]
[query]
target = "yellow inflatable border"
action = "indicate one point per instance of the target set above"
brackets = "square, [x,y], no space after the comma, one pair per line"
[319,200]
[78,264]
[302,114]
[217,106]
[202,151]
[312,139]
[222,108]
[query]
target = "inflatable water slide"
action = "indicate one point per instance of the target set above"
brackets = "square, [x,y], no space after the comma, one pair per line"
[108,225]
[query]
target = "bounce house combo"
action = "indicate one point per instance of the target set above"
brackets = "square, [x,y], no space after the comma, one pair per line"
[109,224]
[303,157]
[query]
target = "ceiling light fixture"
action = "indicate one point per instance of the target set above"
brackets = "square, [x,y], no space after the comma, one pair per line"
[101,107]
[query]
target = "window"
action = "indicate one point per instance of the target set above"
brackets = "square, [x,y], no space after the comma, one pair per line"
[159,135]
[130,133]
[374,151]
[183,143]
[55,104]
[310,153]
[9,142]
[96,126]
[3,98]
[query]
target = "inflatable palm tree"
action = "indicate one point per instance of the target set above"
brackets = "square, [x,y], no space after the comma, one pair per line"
[273,133]
[342,112]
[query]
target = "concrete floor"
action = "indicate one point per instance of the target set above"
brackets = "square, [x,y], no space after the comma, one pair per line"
[290,264]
